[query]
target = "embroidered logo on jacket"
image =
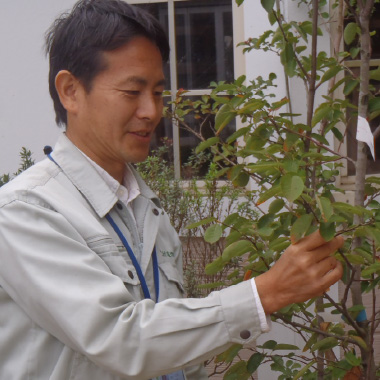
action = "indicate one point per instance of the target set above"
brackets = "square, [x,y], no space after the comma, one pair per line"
[167,253]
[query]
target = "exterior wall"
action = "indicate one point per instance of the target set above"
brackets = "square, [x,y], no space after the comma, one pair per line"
[26,112]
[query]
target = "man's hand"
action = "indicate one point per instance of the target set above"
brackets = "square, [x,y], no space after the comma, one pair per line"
[305,270]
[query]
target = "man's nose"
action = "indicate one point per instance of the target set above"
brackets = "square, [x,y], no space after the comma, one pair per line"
[149,107]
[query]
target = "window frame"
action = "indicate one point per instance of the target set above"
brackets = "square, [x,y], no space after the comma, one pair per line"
[346,181]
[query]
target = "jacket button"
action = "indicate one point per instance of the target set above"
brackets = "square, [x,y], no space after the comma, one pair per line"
[119,206]
[155,211]
[245,334]
[130,274]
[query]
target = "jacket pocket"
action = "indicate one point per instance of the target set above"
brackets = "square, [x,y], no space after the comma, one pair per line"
[107,250]
[171,285]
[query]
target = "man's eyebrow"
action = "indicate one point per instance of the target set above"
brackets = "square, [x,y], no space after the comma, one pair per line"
[141,81]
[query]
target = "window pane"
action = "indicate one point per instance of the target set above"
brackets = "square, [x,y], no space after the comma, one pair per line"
[204,42]
[372,166]
[374,27]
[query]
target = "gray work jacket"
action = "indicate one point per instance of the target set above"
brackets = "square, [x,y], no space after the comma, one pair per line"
[71,305]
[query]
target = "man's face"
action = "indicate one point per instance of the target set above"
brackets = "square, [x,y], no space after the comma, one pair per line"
[115,120]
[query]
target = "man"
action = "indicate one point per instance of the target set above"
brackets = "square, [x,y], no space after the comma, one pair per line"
[86,291]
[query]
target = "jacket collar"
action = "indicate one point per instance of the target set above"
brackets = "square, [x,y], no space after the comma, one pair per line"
[88,181]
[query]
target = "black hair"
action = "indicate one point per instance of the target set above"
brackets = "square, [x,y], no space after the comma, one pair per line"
[76,40]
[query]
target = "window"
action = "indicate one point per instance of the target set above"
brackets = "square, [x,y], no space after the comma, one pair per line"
[373,167]
[202,50]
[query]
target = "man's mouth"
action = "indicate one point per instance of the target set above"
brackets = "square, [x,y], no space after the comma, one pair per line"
[142,134]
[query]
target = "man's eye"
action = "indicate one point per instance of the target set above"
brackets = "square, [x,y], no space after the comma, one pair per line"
[158,93]
[131,92]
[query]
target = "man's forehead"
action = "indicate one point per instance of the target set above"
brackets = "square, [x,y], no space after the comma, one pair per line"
[139,80]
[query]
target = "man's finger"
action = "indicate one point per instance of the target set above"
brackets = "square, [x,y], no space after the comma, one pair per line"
[333,276]
[327,249]
[311,241]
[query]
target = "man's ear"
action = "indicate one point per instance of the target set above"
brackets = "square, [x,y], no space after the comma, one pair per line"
[68,88]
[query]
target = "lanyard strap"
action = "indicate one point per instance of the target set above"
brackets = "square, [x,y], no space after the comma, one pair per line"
[136,263]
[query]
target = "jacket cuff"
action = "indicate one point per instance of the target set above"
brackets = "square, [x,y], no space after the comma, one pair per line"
[240,313]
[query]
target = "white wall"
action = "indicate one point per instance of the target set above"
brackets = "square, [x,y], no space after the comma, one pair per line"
[26,111]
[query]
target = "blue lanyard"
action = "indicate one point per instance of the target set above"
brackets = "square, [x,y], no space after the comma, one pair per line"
[136,263]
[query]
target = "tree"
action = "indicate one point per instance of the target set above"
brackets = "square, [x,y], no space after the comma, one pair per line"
[290,159]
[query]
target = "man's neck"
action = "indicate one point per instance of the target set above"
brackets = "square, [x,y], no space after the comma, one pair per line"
[114,168]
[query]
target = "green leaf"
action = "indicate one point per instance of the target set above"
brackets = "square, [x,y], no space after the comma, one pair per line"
[279,244]
[272,192]
[268,4]
[254,361]
[292,166]
[229,355]
[325,344]
[352,359]
[283,346]
[349,209]
[327,230]
[303,370]
[206,144]
[292,186]
[355,259]
[241,179]
[269,344]
[265,220]
[360,341]
[213,233]
[375,74]
[276,206]
[350,32]
[239,248]
[350,86]
[239,2]
[231,219]
[211,285]
[263,225]
[374,268]
[330,73]
[288,60]
[237,372]
[234,171]
[300,227]
[237,134]
[272,18]
[325,207]
[251,106]
[374,105]
[224,116]
[258,167]
[321,113]
[215,267]
[201,222]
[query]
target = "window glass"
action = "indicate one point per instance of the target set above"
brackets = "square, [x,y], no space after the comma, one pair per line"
[372,166]
[375,28]
[204,42]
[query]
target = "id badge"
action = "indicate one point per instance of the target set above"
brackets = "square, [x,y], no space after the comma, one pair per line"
[178,375]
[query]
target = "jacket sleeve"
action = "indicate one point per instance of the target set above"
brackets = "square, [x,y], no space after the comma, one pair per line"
[63,286]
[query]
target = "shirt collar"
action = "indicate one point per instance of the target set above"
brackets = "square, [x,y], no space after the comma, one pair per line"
[125,192]
[89,181]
